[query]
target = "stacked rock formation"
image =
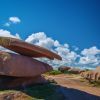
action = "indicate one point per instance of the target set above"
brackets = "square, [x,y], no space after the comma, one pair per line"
[21,69]
[93,75]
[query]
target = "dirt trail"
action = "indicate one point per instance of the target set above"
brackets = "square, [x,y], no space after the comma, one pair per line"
[73,89]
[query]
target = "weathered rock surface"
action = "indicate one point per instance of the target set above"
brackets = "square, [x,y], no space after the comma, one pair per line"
[27,49]
[21,66]
[93,75]
[64,68]
[97,69]
[14,95]
[75,70]
[21,69]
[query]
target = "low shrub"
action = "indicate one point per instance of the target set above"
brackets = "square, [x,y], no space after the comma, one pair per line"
[54,72]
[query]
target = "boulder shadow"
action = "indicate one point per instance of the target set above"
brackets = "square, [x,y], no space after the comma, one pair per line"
[75,94]
[52,91]
[47,91]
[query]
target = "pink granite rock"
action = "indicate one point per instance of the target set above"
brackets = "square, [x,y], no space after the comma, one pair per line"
[27,49]
[92,75]
[75,70]
[21,66]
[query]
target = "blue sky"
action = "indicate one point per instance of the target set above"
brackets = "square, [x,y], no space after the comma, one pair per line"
[76,22]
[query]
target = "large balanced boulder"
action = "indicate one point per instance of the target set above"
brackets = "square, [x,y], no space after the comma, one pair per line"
[27,49]
[21,66]
[21,69]
[92,75]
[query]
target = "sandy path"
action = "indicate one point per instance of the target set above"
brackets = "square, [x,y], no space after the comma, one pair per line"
[74,89]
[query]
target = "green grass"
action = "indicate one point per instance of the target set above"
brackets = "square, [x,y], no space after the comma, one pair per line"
[68,72]
[92,83]
[54,72]
[57,72]
[95,83]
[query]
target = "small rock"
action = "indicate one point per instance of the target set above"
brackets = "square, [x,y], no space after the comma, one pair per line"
[75,70]
[63,68]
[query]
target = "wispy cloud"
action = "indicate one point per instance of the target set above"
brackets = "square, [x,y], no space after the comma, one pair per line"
[12,20]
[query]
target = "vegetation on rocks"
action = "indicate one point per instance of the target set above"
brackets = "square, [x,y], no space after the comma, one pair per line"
[57,72]
[54,72]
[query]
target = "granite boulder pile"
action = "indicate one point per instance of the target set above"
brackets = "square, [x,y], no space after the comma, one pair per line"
[92,75]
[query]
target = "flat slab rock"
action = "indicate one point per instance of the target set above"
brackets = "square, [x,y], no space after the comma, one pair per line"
[27,49]
[21,66]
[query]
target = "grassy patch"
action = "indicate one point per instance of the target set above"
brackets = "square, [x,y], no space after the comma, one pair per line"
[91,83]
[57,72]
[68,72]
[95,84]
[54,72]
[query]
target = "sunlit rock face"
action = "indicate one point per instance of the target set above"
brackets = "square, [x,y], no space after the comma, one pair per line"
[97,69]
[21,69]
[27,49]
[93,75]
[21,66]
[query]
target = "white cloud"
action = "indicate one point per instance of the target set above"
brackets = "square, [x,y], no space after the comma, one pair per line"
[17,36]
[88,60]
[56,43]
[35,37]
[7,24]
[6,33]
[75,48]
[41,39]
[91,51]
[63,50]
[90,56]
[87,57]
[14,20]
